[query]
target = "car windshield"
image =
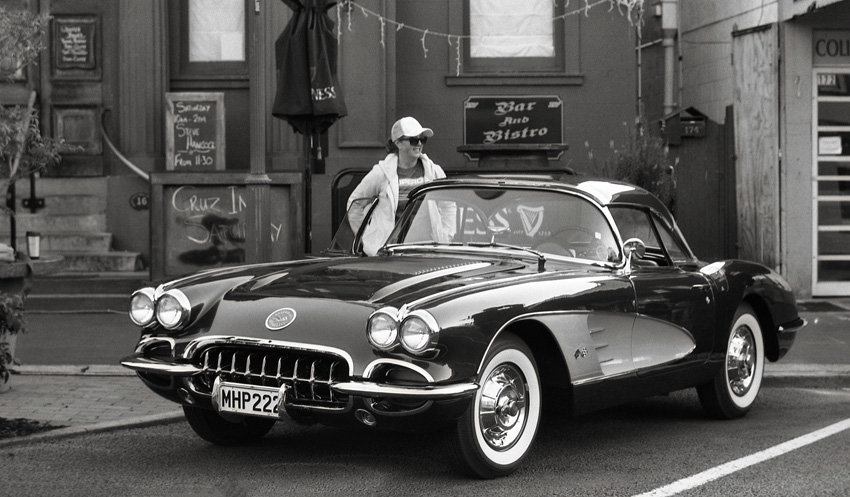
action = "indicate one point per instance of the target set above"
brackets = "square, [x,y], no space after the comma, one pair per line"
[551,222]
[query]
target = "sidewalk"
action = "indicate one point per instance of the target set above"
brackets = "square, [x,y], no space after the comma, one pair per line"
[70,374]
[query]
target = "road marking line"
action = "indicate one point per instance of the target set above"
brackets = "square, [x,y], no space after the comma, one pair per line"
[745,462]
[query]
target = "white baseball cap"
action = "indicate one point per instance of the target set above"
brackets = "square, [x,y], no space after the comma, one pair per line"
[408,126]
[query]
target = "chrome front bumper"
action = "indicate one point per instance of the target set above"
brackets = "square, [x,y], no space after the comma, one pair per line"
[354,388]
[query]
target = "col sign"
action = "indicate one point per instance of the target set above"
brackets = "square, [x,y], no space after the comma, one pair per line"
[513,120]
[831,47]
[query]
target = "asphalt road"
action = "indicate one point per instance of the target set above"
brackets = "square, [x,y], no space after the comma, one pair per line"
[627,451]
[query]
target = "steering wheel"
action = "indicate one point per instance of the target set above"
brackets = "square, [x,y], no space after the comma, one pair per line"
[570,241]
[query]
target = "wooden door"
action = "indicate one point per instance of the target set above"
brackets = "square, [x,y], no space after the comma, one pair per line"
[78,80]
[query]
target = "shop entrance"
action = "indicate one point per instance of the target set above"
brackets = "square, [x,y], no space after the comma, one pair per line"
[831,182]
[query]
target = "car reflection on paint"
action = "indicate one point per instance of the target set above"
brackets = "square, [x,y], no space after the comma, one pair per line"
[494,296]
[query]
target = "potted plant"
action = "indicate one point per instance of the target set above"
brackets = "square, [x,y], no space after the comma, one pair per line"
[643,160]
[12,322]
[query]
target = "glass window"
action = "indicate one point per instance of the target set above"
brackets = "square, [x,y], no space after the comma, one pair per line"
[216,30]
[509,36]
[507,28]
[550,222]
[675,250]
[634,223]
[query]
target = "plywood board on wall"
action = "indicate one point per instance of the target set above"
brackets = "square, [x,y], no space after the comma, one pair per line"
[757,144]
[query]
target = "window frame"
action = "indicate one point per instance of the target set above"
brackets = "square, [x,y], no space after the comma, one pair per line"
[556,64]
[565,71]
[183,69]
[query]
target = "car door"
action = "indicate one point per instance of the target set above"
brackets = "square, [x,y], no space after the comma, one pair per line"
[671,296]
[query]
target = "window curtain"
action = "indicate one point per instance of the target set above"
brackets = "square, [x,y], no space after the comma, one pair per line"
[216,30]
[511,28]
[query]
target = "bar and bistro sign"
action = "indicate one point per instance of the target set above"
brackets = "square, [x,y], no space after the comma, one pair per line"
[513,120]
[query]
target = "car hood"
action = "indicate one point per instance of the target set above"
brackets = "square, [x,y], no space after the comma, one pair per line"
[378,280]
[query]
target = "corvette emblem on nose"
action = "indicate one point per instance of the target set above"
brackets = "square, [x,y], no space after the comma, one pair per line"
[280,319]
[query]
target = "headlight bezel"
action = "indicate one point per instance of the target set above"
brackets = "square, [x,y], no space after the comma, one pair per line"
[391,315]
[427,321]
[183,305]
[149,294]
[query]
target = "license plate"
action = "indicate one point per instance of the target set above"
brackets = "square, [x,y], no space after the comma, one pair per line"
[247,399]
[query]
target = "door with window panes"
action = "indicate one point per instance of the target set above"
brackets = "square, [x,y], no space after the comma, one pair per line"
[208,40]
[831,183]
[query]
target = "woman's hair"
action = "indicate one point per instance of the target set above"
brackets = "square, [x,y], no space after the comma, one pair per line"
[391,146]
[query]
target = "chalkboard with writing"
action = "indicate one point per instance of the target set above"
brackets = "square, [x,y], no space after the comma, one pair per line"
[206,226]
[76,47]
[194,132]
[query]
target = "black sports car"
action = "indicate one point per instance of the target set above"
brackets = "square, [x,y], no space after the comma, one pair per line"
[493,296]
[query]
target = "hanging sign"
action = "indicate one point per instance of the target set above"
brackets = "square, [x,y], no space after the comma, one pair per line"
[513,120]
[194,132]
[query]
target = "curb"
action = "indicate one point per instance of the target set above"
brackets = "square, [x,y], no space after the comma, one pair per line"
[73,370]
[807,376]
[139,422]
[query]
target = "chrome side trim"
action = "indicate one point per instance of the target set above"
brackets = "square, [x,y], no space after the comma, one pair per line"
[441,392]
[147,341]
[370,369]
[194,345]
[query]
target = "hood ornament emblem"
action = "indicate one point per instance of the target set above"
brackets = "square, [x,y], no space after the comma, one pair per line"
[280,319]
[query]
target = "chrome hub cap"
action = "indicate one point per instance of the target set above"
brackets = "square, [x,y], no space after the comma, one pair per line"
[502,407]
[741,361]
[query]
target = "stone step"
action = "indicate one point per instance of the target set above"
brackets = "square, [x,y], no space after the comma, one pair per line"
[83,241]
[85,291]
[89,291]
[90,283]
[65,204]
[83,261]
[47,187]
[75,303]
[56,223]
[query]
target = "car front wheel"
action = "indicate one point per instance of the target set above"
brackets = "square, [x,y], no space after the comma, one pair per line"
[736,385]
[494,435]
[214,428]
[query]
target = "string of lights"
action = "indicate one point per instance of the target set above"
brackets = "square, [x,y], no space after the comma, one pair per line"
[632,9]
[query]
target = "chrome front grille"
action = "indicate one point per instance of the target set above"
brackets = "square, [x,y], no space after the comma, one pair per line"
[308,374]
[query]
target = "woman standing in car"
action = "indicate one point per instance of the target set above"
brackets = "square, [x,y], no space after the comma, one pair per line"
[391,180]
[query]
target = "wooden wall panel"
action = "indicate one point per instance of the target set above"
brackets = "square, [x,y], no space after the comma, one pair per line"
[757,144]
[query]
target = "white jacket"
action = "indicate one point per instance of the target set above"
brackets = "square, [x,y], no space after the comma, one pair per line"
[382,182]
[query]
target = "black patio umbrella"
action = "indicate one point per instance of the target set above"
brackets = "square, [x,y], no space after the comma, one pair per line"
[308,93]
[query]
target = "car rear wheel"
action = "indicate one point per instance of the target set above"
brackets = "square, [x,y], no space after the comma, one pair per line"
[735,387]
[494,435]
[212,427]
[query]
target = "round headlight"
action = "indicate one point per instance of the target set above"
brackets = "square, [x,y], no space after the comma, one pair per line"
[142,307]
[383,329]
[419,333]
[172,309]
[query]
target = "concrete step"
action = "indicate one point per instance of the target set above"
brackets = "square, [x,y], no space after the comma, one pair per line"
[62,186]
[84,291]
[94,241]
[56,223]
[91,261]
[65,204]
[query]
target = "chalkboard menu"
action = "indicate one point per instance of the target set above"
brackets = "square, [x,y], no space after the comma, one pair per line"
[194,131]
[513,120]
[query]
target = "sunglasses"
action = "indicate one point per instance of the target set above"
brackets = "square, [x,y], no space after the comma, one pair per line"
[415,141]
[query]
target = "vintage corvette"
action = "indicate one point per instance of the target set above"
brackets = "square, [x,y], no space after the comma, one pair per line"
[494,296]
